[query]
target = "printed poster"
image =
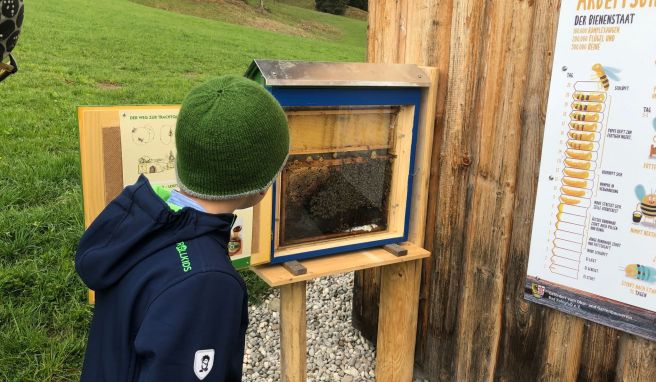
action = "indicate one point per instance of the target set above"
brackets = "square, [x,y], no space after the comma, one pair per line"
[148,148]
[593,246]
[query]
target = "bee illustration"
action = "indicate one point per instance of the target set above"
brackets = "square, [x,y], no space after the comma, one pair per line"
[586,106]
[646,207]
[583,126]
[587,96]
[582,146]
[604,73]
[585,117]
[142,135]
[640,272]
[581,136]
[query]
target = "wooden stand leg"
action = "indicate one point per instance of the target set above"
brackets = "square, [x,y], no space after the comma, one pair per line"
[293,341]
[397,324]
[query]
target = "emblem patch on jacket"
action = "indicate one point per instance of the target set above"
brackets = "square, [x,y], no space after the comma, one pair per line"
[203,362]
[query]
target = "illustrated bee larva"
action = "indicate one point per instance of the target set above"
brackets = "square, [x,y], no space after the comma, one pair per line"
[582,155]
[570,201]
[573,192]
[601,73]
[580,174]
[586,106]
[640,272]
[585,117]
[585,96]
[583,146]
[581,136]
[583,126]
[575,183]
[581,165]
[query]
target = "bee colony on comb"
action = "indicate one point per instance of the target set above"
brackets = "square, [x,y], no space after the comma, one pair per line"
[339,185]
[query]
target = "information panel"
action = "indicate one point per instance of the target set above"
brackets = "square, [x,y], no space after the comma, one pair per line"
[593,247]
[120,143]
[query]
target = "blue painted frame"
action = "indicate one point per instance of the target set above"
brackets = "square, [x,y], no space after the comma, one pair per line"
[330,97]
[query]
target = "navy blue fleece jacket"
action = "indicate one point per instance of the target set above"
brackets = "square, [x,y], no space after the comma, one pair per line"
[169,304]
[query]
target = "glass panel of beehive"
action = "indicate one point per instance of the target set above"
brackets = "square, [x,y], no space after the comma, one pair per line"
[337,180]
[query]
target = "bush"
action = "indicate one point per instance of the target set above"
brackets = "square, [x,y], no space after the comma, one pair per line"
[336,7]
[362,4]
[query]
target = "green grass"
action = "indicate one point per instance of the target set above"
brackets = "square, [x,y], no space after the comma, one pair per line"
[88,52]
[291,17]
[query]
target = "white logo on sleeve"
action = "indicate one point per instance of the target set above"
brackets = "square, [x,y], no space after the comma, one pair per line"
[203,362]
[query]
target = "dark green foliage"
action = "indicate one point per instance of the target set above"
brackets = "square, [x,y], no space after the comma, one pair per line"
[336,7]
[362,4]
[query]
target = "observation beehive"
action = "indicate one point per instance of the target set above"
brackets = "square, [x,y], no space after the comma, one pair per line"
[348,182]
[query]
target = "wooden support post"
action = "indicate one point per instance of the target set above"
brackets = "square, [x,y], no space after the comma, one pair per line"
[397,325]
[398,307]
[292,332]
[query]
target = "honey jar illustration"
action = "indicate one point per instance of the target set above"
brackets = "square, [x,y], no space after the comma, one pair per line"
[637,216]
[234,246]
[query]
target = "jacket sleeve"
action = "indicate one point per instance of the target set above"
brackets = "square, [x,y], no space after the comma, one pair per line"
[193,331]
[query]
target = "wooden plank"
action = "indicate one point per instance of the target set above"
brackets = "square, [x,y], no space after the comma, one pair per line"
[334,242]
[524,332]
[424,150]
[277,275]
[402,149]
[598,353]
[261,246]
[429,39]
[451,206]
[387,31]
[365,305]
[636,359]
[562,365]
[506,32]
[386,24]
[355,110]
[344,131]
[293,340]
[91,160]
[399,299]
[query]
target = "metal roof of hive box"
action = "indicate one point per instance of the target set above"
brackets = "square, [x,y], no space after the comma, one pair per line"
[345,74]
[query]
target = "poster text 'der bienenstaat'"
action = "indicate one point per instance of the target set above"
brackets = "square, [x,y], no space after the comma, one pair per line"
[593,246]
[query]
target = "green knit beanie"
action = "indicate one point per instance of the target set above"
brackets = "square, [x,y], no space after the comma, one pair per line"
[232,139]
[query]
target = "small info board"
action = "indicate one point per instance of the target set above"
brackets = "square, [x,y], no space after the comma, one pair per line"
[593,246]
[119,143]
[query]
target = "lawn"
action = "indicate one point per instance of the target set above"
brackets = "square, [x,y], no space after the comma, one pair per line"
[291,17]
[89,52]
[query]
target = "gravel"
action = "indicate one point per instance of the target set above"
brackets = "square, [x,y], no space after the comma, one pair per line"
[335,350]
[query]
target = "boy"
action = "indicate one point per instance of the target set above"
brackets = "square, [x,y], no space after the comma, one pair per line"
[169,305]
